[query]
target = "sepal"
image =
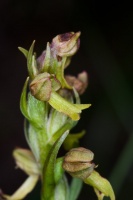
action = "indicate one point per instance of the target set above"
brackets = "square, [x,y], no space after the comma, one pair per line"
[101,185]
[24,51]
[23,190]
[72,140]
[25,161]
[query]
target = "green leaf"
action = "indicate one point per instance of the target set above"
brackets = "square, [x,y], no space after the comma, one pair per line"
[24,51]
[101,185]
[23,100]
[48,172]
[75,188]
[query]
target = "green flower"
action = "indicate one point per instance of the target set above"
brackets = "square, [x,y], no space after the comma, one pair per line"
[25,161]
[46,75]
[78,162]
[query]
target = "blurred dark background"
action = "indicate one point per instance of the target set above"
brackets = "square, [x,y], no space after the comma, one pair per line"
[105,53]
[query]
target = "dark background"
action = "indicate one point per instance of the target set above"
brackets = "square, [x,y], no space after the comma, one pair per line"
[105,53]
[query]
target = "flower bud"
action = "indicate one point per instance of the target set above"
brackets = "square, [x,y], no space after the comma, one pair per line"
[80,83]
[42,85]
[78,162]
[66,44]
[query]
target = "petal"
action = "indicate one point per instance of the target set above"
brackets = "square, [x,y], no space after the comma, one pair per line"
[26,161]
[24,189]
